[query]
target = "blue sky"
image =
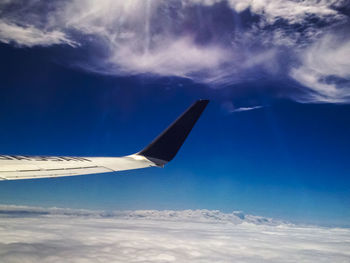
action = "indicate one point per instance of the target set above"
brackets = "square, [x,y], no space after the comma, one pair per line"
[287,159]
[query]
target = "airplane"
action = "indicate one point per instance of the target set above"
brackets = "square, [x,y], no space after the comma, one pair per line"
[158,153]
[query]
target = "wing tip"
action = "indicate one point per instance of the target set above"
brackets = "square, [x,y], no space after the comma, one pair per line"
[164,148]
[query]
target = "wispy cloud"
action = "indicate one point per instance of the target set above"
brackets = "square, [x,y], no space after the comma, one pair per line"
[68,235]
[29,36]
[230,107]
[217,42]
[247,108]
[325,70]
[292,11]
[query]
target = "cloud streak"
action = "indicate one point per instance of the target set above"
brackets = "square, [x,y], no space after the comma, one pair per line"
[216,42]
[54,235]
[231,108]
[246,109]
[29,36]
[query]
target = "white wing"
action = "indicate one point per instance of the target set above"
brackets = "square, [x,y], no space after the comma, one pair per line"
[27,167]
[162,150]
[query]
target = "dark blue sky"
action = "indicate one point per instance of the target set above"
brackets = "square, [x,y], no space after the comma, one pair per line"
[285,160]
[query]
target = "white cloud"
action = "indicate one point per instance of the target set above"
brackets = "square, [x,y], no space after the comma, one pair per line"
[66,235]
[247,108]
[293,11]
[30,36]
[152,37]
[139,37]
[289,10]
[180,57]
[185,38]
[230,107]
[325,70]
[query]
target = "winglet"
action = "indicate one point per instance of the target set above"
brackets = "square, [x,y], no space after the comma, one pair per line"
[164,148]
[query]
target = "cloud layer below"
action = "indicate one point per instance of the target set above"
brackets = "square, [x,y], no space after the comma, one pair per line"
[217,42]
[30,234]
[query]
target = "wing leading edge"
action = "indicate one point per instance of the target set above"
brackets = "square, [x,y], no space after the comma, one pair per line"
[159,152]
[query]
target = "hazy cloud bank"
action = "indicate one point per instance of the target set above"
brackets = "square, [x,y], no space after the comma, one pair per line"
[64,235]
[217,42]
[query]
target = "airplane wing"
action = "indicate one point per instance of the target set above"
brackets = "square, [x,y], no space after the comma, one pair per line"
[159,152]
